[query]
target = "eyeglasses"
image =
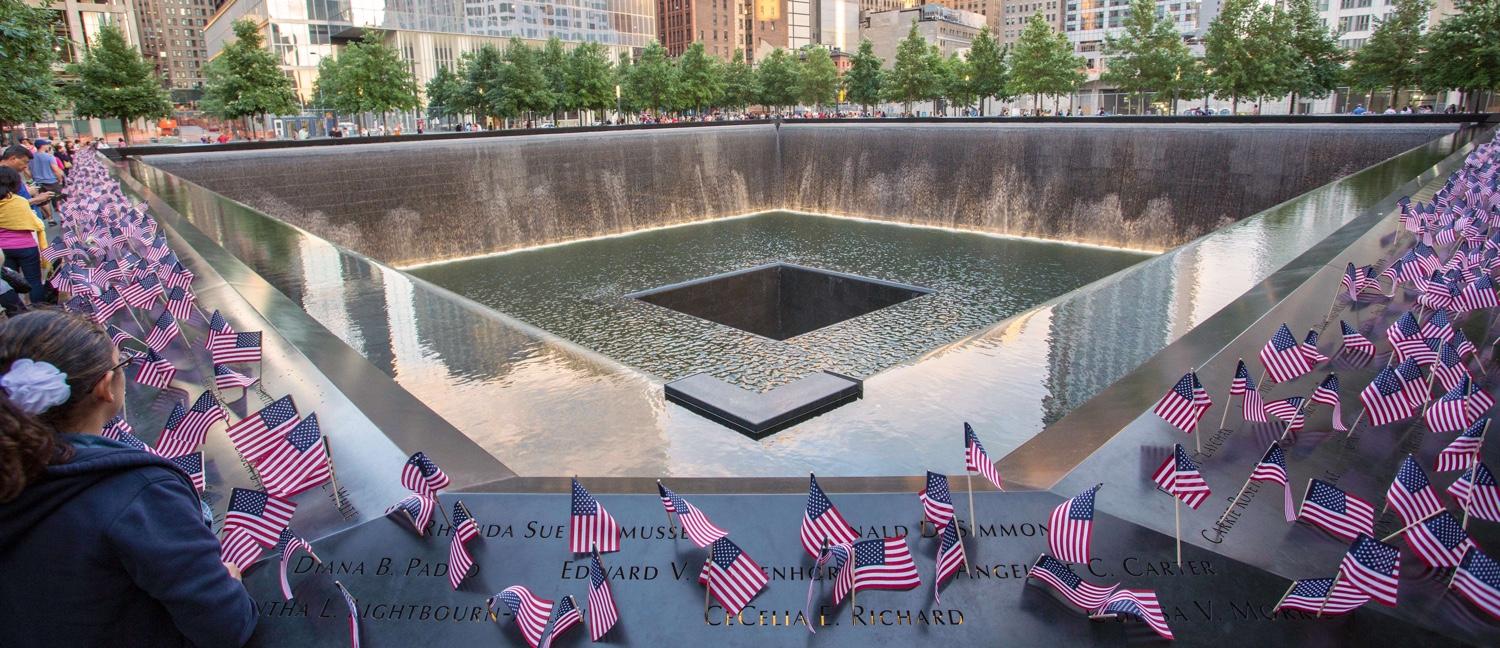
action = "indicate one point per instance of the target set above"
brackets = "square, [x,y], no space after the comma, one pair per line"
[121,364]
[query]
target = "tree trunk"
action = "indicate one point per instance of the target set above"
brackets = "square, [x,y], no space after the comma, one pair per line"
[125,130]
[1234,104]
[1291,108]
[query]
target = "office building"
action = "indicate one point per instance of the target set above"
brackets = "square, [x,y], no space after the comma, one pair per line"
[952,30]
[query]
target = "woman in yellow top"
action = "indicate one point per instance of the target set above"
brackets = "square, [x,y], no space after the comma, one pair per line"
[22,235]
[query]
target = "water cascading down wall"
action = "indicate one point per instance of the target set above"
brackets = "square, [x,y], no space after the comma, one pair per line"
[1140,186]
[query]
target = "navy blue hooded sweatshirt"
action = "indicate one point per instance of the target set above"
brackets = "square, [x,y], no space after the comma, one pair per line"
[111,549]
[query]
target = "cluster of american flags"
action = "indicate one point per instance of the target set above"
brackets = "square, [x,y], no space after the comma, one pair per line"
[113,264]
[1446,276]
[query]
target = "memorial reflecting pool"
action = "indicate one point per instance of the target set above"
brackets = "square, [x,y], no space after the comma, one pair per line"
[580,291]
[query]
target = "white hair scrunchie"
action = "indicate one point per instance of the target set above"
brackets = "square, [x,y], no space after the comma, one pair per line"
[34,386]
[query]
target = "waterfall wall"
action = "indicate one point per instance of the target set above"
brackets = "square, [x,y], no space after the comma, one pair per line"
[1149,186]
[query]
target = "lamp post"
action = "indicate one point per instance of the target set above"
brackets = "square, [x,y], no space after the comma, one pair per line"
[618,117]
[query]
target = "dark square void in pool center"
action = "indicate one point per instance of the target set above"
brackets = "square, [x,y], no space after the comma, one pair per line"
[780,300]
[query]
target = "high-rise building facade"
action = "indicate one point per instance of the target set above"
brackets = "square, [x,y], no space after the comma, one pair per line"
[171,33]
[78,23]
[1015,13]
[951,30]
[429,34]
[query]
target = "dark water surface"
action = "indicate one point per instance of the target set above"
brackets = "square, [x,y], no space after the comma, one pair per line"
[578,291]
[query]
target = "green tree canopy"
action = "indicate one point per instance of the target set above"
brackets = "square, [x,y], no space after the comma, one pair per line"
[27,45]
[527,89]
[1463,51]
[988,76]
[445,95]
[244,80]
[1042,62]
[554,63]
[740,88]
[913,76]
[779,78]
[820,78]
[701,81]
[1247,52]
[483,74]
[1148,56]
[864,77]
[590,79]
[1391,58]
[115,81]
[1318,61]
[958,81]
[652,81]
[368,76]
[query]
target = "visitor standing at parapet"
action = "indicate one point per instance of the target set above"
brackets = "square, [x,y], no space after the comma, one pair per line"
[101,544]
[19,158]
[22,236]
[47,173]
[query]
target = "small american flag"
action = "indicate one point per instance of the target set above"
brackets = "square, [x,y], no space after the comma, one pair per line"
[590,526]
[226,378]
[177,276]
[1353,281]
[950,558]
[1140,604]
[258,433]
[1462,344]
[1060,576]
[1421,350]
[416,510]
[201,416]
[1478,294]
[1327,393]
[731,576]
[1242,381]
[1404,328]
[699,529]
[464,530]
[1477,492]
[1327,507]
[1449,368]
[1072,527]
[119,429]
[1283,359]
[155,371]
[878,563]
[1478,579]
[1384,400]
[1464,450]
[1252,406]
[1272,466]
[1290,410]
[1313,595]
[602,611]
[1438,325]
[106,304]
[937,500]
[1354,341]
[239,347]
[1440,541]
[263,516]
[287,545]
[192,466]
[977,460]
[666,497]
[565,616]
[143,292]
[531,611]
[180,303]
[1371,567]
[295,462]
[163,332]
[174,440]
[1310,349]
[421,475]
[240,548]
[1184,403]
[1179,476]
[1411,494]
[822,524]
[1451,412]
[217,328]
[353,614]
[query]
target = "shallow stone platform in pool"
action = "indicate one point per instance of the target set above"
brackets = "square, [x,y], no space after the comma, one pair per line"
[919,288]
